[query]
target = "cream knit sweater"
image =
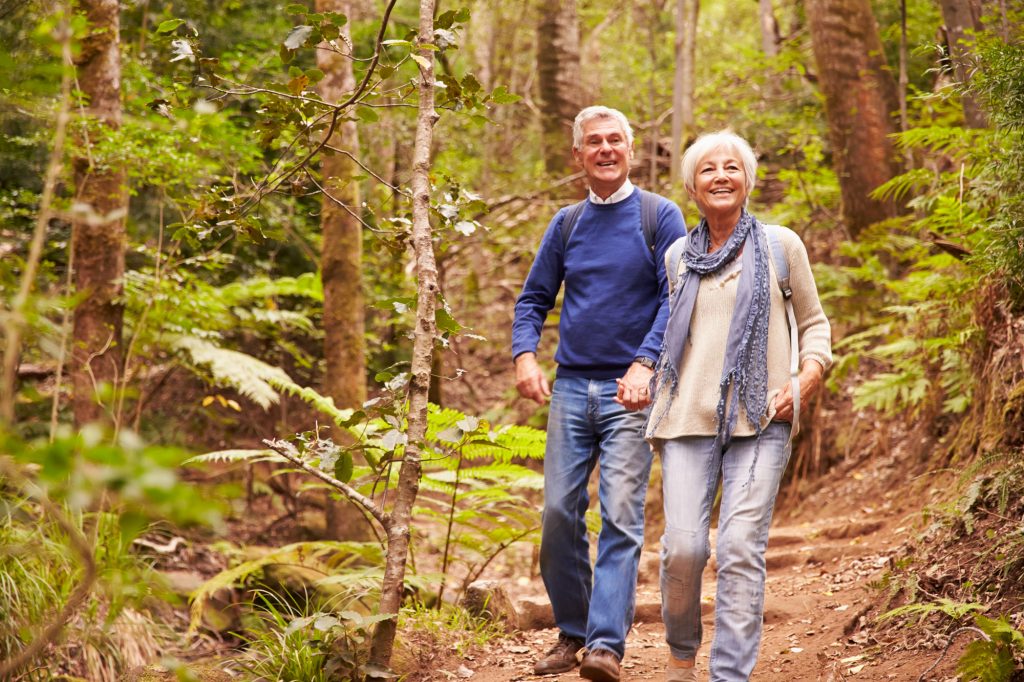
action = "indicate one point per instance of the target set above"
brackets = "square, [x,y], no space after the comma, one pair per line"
[691,411]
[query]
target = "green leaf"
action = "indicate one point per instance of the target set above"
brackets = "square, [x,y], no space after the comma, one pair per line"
[445,322]
[501,95]
[367,114]
[169,26]
[343,467]
[297,37]
[296,8]
[422,61]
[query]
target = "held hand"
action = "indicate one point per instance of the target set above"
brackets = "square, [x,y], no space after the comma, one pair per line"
[530,380]
[634,388]
[810,380]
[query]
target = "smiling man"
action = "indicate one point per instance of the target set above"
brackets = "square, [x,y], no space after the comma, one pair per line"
[613,317]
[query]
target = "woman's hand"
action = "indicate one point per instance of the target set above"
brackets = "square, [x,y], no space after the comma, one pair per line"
[810,381]
[634,388]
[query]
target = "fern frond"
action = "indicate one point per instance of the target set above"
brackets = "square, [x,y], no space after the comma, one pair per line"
[236,456]
[247,375]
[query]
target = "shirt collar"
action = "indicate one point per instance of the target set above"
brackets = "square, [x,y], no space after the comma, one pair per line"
[616,196]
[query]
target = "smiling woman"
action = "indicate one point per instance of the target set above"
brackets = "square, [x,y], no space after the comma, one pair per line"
[727,327]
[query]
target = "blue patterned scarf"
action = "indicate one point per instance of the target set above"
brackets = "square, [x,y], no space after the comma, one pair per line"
[746,351]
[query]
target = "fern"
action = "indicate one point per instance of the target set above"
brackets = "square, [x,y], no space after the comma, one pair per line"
[252,378]
[251,456]
[995,658]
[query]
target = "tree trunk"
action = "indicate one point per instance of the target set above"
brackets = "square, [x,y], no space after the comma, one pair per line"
[770,38]
[559,79]
[98,234]
[963,17]
[341,264]
[687,12]
[423,346]
[860,99]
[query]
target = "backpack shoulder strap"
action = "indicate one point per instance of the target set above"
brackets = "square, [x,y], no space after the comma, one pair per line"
[673,257]
[649,216]
[779,259]
[782,275]
[572,216]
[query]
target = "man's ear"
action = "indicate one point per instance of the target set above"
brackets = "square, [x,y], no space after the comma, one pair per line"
[577,157]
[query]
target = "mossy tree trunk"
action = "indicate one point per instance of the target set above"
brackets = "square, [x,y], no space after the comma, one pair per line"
[342,262]
[98,233]
[559,80]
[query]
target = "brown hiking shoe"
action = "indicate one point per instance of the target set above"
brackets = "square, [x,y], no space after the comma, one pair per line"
[600,665]
[561,658]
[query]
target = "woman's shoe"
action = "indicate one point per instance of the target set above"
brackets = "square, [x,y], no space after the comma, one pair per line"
[681,675]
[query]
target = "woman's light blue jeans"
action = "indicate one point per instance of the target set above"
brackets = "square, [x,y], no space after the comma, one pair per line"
[586,427]
[750,472]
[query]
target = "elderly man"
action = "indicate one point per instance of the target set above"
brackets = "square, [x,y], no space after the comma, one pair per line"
[609,252]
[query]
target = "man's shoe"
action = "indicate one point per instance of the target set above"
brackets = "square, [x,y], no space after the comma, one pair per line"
[561,658]
[600,665]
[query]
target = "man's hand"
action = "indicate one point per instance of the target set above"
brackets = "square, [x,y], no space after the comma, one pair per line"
[810,380]
[530,380]
[634,388]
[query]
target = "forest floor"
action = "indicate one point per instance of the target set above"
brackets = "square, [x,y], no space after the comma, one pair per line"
[828,558]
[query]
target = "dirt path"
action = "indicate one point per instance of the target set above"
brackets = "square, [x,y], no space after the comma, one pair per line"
[818,594]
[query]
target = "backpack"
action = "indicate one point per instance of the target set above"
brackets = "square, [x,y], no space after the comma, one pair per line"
[648,218]
[778,255]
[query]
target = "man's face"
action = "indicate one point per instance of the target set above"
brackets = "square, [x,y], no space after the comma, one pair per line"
[604,154]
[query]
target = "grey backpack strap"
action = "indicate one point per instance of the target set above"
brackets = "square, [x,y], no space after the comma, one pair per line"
[673,256]
[572,216]
[782,275]
[649,216]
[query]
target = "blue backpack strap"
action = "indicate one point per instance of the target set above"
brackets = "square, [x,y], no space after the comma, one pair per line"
[782,275]
[649,216]
[572,216]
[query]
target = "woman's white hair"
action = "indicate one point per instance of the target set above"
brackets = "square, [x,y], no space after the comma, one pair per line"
[589,114]
[713,142]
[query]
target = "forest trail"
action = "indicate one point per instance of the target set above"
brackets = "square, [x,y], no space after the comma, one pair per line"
[819,589]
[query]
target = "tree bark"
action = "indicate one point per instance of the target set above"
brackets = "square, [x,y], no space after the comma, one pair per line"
[559,79]
[961,18]
[860,100]
[423,346]
[98,234]
[770,38]
[341,260]
[687,12]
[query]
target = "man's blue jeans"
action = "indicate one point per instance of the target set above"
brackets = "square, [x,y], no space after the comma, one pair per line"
[751,473]
[586,427]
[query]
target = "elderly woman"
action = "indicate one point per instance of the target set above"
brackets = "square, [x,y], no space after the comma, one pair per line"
[724,403]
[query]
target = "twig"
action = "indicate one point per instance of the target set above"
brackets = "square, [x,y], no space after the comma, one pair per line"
[289,452]
[952,637]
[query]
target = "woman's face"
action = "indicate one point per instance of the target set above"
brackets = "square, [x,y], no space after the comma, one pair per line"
[720,185]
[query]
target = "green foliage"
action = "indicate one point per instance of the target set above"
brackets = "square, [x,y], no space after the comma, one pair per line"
[318,646]
[994,658]
[38,572]
[947,607]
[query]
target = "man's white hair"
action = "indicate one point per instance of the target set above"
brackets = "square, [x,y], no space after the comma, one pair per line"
[713,142]
[594,112]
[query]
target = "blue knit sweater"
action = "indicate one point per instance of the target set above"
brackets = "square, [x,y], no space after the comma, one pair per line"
[616,298]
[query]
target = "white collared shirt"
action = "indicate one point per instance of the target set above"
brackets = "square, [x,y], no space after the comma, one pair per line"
[618,195]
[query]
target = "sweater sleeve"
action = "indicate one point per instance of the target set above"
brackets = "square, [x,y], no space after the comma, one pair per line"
[540,290]
[670,228]
[814,330]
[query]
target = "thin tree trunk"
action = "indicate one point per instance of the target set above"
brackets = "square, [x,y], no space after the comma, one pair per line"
[963,17]
[687,12]
[558,78]
[423,345]
[770,38]
[342,264]
[860,101]
[98,234]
